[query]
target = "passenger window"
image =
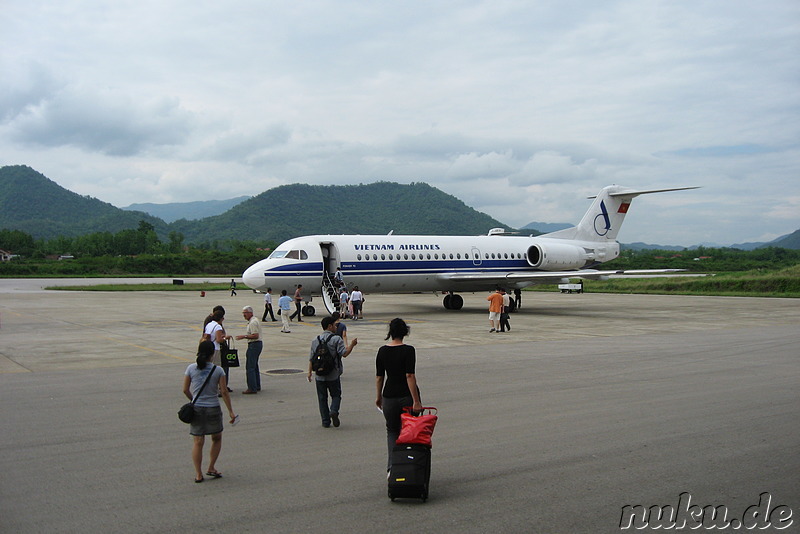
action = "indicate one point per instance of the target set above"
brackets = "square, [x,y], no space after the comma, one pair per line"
[359,257]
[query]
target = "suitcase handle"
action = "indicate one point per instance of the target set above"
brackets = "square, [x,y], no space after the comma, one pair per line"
[429,408]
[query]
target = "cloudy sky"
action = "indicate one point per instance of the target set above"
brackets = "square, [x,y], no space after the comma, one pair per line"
[521,109]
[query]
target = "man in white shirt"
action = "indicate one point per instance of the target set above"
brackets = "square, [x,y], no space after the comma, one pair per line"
[268,305]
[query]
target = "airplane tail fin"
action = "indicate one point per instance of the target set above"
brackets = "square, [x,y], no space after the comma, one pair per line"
[605,216]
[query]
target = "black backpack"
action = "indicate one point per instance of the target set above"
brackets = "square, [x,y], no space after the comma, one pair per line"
[323,361]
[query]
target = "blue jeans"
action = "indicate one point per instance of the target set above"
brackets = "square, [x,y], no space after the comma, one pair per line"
[335,388]
[251,367]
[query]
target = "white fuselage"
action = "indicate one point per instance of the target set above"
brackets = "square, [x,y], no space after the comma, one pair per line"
[389,263]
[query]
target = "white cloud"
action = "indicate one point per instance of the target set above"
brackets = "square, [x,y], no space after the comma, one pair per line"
[104,122]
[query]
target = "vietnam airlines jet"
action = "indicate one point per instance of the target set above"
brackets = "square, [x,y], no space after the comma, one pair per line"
[450,264]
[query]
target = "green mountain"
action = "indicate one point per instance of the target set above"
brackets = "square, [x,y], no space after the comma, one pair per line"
[379,208]
[36,205]
[790,241]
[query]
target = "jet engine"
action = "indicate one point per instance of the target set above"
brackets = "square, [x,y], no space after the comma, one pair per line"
[557,256]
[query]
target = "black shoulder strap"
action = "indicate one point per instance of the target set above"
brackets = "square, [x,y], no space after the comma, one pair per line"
[204,383]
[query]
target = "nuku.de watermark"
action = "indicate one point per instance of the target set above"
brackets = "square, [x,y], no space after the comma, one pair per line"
[691,516]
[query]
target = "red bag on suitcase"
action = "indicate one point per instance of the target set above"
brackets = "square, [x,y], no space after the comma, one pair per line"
[417,429]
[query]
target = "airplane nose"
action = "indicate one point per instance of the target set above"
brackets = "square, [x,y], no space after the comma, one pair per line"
[253,277]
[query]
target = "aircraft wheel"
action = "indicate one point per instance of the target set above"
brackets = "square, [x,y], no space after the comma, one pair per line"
[308,310]
[447,300]
[456,302]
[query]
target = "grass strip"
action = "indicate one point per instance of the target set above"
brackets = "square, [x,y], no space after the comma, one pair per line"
[144,287]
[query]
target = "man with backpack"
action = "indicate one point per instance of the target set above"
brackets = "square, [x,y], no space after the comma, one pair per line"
[325,366]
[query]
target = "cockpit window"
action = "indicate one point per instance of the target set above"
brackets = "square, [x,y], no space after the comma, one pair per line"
[297,255]
[291,254]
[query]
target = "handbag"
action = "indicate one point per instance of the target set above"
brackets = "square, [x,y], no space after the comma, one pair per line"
[417,429]
[186,413]
[229,355]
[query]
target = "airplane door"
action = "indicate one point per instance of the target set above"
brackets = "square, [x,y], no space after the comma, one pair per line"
[330,257]
[476,256]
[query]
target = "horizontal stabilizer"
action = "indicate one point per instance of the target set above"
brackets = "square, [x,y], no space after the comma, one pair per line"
[633,193]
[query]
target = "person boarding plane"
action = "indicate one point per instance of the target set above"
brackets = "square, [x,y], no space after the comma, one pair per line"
[452,264]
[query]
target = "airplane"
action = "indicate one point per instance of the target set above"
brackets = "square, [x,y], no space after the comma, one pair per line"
[450,264]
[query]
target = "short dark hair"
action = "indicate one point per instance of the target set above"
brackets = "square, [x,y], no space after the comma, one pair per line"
[327,321]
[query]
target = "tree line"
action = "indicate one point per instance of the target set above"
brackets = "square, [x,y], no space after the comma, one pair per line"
[707,259]
[138,251]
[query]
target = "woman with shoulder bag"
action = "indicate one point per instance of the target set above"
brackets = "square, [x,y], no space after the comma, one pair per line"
[215,332]
[207,411]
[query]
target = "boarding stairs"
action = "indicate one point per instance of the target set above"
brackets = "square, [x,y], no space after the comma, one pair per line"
[330,293]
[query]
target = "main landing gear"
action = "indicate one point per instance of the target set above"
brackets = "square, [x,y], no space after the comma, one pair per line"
[453,301]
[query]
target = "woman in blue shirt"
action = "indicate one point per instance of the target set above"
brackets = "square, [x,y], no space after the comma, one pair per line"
[207,411]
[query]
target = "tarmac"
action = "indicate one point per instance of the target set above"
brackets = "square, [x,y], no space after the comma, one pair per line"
[591,403]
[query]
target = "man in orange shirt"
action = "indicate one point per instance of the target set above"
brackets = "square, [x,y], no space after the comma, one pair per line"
[495,308]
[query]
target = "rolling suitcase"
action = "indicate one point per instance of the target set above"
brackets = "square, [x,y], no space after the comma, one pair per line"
[411,472]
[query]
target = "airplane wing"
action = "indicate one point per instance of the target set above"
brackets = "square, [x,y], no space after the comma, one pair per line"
[544,277]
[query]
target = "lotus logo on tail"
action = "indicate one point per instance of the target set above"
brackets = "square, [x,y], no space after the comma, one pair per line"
[603,226]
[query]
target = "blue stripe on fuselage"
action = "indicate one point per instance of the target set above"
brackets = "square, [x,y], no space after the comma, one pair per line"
[403,267]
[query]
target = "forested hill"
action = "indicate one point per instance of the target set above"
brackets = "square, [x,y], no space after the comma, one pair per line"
[36,205]
[790,241]
[298,209]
